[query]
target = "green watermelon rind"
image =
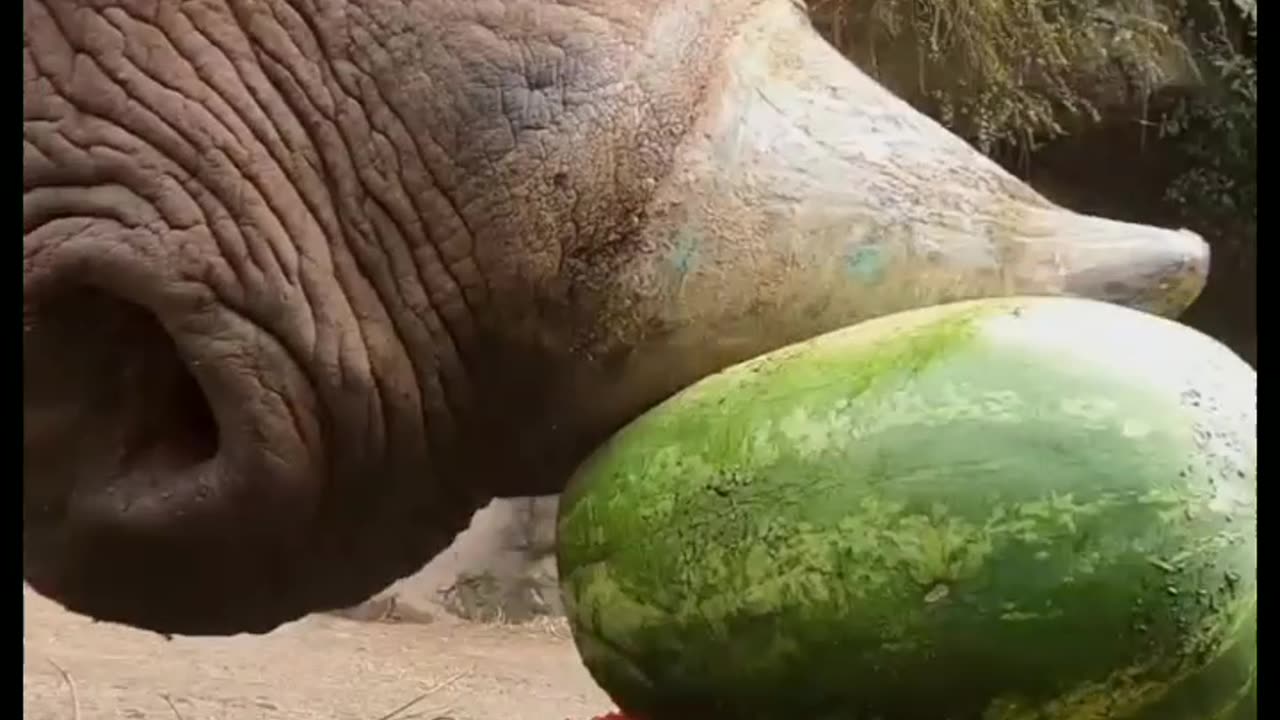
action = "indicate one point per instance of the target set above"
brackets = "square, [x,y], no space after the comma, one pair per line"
[738,487]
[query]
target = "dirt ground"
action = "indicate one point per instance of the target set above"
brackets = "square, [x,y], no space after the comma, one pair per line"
[322,667]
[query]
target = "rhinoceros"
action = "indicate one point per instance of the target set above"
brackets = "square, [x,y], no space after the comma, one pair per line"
[307,282]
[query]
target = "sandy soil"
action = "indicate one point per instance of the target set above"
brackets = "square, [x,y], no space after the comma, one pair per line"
[319,668]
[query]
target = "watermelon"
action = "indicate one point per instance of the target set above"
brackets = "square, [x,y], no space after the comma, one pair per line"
[1006,509]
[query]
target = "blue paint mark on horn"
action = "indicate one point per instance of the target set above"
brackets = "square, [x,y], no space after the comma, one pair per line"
[866,263]
[685,254]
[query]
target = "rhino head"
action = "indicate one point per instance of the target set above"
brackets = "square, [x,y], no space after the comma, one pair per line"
[306,282]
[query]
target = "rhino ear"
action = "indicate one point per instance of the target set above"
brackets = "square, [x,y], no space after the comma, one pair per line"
[164,484]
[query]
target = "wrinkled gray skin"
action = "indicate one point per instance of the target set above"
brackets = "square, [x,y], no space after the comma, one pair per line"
[306,282]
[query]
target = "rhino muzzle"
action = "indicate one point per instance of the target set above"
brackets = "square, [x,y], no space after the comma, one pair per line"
[156,471]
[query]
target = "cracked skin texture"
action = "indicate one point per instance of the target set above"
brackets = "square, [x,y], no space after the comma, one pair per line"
[293,268]
[306,282]
[931,516]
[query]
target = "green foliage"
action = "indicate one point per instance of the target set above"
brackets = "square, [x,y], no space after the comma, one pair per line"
[1215,128]
[1011,73]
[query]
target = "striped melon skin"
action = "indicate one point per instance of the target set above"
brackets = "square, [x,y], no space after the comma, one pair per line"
[1010,509]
